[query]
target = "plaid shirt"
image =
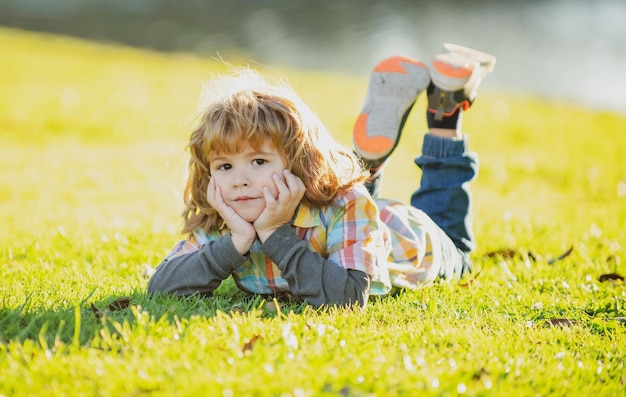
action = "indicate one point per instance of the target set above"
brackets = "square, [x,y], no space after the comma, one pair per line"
[385,239]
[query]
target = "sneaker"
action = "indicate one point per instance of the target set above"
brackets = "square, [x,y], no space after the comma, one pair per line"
[487,61]
[394,86]
[456,75]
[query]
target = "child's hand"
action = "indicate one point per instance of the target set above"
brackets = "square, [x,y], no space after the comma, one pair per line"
[279,210]
[242,232]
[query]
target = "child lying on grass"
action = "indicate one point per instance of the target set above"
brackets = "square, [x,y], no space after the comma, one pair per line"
[275,202]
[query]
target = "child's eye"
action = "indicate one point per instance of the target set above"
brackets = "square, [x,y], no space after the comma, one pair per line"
[259,161]
[224,167]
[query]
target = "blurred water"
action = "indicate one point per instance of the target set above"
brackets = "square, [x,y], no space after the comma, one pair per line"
[562,49]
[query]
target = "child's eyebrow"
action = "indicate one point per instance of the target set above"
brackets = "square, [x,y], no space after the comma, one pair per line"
[260,152]
[217,158]
[263,153]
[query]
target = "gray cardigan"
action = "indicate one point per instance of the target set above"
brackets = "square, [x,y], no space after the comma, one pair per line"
[310,276]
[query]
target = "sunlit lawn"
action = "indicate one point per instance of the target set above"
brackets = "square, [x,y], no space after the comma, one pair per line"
[92,165]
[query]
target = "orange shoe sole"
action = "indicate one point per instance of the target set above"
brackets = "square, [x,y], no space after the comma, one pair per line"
[394,86]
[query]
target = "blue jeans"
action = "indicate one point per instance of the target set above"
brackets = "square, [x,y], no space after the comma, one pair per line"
[444,195]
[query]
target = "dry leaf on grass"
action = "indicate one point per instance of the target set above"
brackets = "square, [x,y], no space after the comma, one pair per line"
[504,253]
[119,304]
[610,277]
[250,344]
[561,322]
[509,253]
[99,313]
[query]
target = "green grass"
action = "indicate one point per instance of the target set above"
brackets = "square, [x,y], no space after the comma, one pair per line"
[92,143]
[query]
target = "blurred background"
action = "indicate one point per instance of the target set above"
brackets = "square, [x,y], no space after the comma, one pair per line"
[573,50]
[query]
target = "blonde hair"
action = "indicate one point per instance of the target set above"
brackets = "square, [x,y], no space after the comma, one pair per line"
[245,109]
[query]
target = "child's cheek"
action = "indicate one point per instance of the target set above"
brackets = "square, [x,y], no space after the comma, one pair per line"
[273,190]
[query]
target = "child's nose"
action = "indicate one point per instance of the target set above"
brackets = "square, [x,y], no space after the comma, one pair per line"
[241,179]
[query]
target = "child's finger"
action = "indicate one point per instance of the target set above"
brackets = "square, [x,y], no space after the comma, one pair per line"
[214,197]
[210,191]
[281,185]
[218,196]
[294,184]
[214,194]
[270,200]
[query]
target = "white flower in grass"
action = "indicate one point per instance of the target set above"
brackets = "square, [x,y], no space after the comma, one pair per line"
[289,337]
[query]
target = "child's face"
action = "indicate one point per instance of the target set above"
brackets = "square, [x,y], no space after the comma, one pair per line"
[241,177]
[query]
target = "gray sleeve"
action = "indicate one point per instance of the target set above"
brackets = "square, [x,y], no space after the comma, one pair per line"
[310,276]
[199,272]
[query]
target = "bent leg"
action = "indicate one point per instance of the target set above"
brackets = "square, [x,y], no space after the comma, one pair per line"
[420,250]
